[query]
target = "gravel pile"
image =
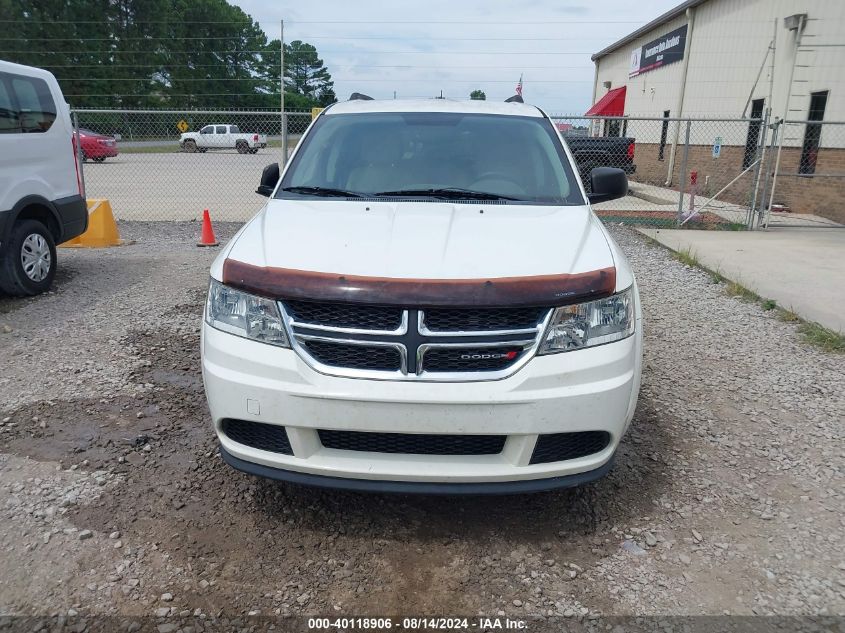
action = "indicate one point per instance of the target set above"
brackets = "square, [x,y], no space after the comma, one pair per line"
[726,496]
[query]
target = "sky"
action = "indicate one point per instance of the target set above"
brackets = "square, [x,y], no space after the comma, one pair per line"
[418,49]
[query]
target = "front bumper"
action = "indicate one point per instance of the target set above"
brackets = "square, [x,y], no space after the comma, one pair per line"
[588,390]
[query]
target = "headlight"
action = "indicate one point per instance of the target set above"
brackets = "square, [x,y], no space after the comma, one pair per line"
[588,324]
[245,315]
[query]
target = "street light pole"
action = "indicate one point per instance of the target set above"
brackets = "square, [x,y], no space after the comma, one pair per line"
[282,91]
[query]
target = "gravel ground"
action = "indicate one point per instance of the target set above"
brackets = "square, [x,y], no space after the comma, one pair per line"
[726,498]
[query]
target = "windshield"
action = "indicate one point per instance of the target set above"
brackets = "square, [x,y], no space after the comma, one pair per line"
[433,155]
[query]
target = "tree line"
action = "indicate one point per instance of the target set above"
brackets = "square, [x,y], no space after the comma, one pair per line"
[161,54]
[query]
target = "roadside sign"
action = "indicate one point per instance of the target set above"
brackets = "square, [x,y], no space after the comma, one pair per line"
[717,147]
[315,112]
[182,126]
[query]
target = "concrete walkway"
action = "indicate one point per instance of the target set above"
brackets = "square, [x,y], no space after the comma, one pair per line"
[802,269]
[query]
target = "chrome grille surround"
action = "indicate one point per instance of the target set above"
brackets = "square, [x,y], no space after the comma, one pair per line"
[412,339]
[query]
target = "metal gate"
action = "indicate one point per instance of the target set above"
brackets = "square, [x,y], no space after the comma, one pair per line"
[804,176]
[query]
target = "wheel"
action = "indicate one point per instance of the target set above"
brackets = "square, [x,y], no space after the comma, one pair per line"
[190,146]
[99,159]
[202,150]
[242,147]
[28,260]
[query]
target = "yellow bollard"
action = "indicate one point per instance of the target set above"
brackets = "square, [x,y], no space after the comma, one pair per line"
[102,229]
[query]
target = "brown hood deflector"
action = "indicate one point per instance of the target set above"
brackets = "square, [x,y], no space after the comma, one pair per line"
[539,290]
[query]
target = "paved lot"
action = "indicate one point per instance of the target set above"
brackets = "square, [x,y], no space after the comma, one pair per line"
[727,496]
[802,269]
[178,186]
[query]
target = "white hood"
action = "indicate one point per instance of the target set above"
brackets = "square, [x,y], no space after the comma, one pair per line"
[423,240]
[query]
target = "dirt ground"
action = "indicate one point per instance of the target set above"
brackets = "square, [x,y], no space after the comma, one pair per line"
[726,497]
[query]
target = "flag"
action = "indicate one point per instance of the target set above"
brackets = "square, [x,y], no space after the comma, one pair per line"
[519,86]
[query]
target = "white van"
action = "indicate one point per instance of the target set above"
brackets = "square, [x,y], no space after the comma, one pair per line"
[41,195]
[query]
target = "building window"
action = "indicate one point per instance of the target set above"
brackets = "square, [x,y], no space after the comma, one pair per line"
[753,138]
[663,133]
[812,133]
[612,127]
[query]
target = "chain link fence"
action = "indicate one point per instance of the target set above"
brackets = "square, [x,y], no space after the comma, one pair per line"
[805,175]
[687,173]
[148,174]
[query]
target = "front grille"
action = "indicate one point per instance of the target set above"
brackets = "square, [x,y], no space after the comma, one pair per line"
[406,343]
[558,447]
[440,359]
[481,319]
[413,443]
[345,315]
[266,437]
[375,357]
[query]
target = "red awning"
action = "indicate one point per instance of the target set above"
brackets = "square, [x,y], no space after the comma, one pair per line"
[611,104]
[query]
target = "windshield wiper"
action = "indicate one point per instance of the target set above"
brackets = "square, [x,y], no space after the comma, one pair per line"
[326,192]
[448,193]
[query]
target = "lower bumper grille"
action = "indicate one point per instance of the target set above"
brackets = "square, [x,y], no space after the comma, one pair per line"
[413,443]
[265,437]
[558,447]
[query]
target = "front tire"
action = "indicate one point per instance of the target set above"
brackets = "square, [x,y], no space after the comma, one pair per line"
[190,146]
[28,260]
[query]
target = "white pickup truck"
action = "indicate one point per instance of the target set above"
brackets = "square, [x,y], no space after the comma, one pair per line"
[222,137]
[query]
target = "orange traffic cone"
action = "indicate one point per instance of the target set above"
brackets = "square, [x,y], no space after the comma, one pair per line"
[207,238]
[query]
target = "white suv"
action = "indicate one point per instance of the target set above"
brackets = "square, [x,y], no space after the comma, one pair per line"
[426,304]
[41,201]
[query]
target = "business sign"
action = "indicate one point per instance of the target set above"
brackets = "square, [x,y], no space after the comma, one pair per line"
[667,49]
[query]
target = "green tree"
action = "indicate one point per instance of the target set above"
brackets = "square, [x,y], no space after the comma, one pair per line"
[478,95]
[160,53]
[306,75]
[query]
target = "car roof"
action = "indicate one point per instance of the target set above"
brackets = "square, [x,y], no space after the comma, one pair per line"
[434,105]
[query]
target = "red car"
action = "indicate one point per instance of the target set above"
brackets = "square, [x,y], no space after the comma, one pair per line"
[95,146]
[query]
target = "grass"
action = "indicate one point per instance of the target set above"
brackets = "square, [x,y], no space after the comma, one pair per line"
[151,149]
[813,333]
[822,337]
[687,258]
[735,289]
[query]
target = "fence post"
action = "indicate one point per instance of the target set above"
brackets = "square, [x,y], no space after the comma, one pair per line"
[749,220]
[79,153]
[776,132]
[285,138]
[683,174]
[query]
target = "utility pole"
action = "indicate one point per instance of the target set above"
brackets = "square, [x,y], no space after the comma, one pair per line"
[282,91]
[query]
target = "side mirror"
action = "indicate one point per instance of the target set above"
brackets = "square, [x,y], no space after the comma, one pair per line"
[269,179]
[607,183]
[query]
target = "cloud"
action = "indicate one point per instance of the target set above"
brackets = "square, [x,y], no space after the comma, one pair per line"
[418,50]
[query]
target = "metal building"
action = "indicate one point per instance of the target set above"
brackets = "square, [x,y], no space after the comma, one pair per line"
[774,60]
